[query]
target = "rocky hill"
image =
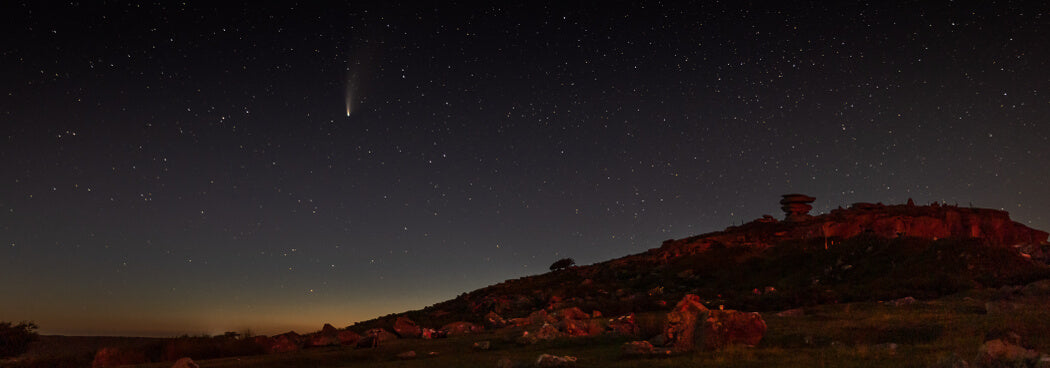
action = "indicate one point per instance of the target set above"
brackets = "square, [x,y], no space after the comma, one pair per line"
[864,252]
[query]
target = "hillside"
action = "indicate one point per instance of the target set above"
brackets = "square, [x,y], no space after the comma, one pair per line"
[867,252]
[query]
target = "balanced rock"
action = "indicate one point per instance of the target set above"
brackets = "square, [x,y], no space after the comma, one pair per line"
[796,207]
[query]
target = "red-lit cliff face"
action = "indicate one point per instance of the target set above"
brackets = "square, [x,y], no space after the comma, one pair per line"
[926,222]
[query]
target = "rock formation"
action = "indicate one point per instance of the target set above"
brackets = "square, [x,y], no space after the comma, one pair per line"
[796,207]
[692,326]
[406,328]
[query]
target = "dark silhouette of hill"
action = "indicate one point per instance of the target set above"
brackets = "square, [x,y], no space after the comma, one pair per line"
[863,253]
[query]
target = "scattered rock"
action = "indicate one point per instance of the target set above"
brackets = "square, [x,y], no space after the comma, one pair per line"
[494,320]
[461,328]
[902,302]
[185,363]
[406,328]
[1038,288]
[888,348]
[571,313]
[637,348]
[797,312]
[623,325]
[999,353]
[547,332]
[482,345]
[1002,307]
[112,357]
[508,363]
[526,339]
[411,354]
[951,361]
[547,360]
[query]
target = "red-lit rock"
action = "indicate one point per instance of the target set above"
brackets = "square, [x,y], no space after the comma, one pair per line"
[571,313]
[348,337]
[406,328]
[685,324]
[460,328]
[796,207]
[113,357]
[494,320]
[288,341]
[730,327]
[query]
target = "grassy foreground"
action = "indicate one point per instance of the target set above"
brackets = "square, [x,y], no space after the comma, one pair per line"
[836,335]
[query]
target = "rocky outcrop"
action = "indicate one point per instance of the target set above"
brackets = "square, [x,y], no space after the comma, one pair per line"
[288,341]
[796,207]
[931,222]
[348,337]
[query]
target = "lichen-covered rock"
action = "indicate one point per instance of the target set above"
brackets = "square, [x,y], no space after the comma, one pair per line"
[685,323]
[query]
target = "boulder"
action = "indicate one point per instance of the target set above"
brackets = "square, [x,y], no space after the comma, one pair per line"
[113,357]
[539,318]
[185,363]
[729,327]
[797,312]
[348,337]
[482,345]
[460,328]
[623,325]
[685,324]
[1038,288]
[288,341]
[547,360]
[1000,353]
[691,326]
[576,327]
[406,328]
[571,313]
[902,302]
[494,320]
[411,354]
[547,332]
[635,348]
[322,339]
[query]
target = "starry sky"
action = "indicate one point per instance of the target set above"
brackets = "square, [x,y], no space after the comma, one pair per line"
[174,168]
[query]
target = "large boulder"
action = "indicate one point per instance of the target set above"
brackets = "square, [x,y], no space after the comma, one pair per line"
[685,324]
[729,327]
[406,328]
[320,339]
[113,357]
[348,337]
[288,341]
[691,326]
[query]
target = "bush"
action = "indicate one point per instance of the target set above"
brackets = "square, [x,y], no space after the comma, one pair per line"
[14,340]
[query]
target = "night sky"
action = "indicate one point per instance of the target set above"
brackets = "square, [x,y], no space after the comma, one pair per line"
[202,168]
